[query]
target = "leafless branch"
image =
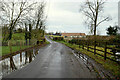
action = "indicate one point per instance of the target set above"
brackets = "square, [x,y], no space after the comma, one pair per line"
[93,10]
[106,19]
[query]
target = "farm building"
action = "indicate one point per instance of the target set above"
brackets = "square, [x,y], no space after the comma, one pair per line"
[73,35]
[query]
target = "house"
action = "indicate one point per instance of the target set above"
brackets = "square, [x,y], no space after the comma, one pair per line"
[73,35]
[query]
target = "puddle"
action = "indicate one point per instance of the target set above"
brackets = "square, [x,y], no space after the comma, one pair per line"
[86,60]
[81,56]
[18,60]
[92,66]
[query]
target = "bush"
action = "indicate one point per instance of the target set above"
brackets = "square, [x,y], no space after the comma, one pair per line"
[58,38]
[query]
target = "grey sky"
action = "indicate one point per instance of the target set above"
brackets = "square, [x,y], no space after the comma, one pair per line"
[64,16]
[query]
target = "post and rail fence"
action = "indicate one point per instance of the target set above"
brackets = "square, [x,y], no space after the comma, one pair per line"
[101,48]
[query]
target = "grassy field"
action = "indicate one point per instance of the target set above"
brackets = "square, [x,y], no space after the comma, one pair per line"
[17,40]
[6,49]
[107,64]
[18,36]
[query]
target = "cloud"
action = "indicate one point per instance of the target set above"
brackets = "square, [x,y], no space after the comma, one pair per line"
[65,16]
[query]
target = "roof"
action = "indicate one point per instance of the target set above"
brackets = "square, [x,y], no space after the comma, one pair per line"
[73,34]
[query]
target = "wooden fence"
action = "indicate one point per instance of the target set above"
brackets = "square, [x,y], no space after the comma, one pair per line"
[100,48]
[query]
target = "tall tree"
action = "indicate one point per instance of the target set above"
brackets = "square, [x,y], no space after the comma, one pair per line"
[30,32]
[40,19]
[12,12]
[26,33]
[39,15]
[93,11]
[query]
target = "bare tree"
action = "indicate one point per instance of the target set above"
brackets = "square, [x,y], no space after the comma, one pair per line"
[39,15]
[93,12]
[40,19]
[12,13]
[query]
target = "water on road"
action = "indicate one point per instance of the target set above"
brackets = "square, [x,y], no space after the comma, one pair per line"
[54,61]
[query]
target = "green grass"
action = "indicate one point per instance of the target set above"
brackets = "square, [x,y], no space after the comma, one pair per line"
[107,64]
[102,53]
[6,49]
[47,42]
[18,36]
[17,40]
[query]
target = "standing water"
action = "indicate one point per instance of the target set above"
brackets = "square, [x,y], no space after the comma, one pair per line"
[18,61]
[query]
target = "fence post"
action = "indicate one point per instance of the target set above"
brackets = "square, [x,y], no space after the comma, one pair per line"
[87,46]
[105,50]
[94,47]
[82,45]
[79,43]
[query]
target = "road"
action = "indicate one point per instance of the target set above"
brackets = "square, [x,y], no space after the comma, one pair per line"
[54,61]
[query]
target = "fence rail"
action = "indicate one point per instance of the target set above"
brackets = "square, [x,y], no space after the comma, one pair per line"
[99,48]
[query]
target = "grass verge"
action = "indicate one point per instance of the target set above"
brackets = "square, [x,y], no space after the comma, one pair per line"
[107,64]
[6,49]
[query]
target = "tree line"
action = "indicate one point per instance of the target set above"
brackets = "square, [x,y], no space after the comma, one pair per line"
[27,16]
[94,14]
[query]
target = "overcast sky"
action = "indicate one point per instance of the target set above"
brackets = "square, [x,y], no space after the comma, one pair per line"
[64,16]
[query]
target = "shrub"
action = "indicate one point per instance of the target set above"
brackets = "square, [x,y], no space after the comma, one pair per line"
[59,38]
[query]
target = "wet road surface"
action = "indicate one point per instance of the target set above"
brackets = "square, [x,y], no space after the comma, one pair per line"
[54,61]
